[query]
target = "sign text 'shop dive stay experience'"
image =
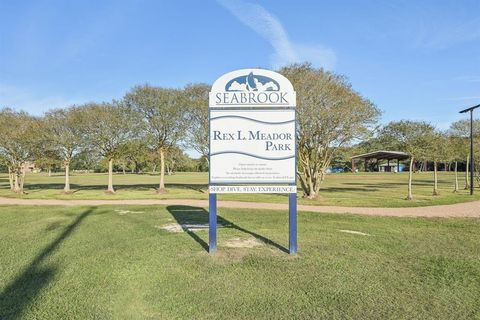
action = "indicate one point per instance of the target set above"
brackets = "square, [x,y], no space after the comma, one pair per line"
[252,138]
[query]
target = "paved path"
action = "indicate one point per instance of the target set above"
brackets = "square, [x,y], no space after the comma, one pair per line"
[467,209]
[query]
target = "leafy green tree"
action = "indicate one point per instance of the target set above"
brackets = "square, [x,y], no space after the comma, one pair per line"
[134,154]
[5,165]
[108,126]
[457,152]
[86,160]
[196,97]
[176,159]
[412,137]
[65,136]
[461,130]
[164,116]
[18,134]
[439,152]
[46,159]
[330,115]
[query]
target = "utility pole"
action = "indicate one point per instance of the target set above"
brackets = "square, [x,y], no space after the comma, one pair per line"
[472,164]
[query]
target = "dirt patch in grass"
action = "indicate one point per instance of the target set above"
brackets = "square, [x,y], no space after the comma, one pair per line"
[354,232]
[194,227]
[171,227]
[242,243]
[124,212]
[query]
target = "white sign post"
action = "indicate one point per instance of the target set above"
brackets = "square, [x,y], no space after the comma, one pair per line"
[252,140]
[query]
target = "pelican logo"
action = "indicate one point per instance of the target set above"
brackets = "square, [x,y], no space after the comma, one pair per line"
[252,82]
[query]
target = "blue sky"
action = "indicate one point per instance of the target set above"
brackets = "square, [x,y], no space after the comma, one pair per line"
[415,59]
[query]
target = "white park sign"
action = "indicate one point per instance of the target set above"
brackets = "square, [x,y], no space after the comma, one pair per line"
[252,140]
[252,128]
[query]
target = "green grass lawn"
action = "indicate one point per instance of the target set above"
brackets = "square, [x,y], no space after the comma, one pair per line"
[361,189]
[115,262]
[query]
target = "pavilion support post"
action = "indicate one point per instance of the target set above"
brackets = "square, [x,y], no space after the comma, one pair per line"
[398,165]
[388,165]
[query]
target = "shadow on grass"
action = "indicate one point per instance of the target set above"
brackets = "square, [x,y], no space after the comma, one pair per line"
[27,285]
[185,215]
[101,187]
[340,189]
[384,185]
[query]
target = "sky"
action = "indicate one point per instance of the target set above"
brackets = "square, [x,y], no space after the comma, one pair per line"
[417,60]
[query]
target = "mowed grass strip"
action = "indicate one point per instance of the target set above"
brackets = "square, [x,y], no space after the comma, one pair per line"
[114,262]
[344,189]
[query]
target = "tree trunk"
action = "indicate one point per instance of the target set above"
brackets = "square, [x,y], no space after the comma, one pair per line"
[410,177]
[110,176]
[66,189]
[311,181]
[311,188]
[154,168]
[478,175]
[10,178]
[467,183]
[161,187]
[16,186]
[303,184]
[435,179]
[22,179]
[49,171]
[456,177]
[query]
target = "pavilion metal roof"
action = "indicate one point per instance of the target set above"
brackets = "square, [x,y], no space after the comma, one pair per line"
[383,155]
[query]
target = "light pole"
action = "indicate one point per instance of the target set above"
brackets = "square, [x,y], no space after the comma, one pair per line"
[472,166]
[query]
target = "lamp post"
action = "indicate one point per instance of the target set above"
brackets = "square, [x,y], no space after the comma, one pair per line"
[472,167]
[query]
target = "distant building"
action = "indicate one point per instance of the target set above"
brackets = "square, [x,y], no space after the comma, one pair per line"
[384,167]
[381,155]
[30,167]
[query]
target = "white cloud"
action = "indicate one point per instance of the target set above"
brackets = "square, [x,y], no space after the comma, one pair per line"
[317,55]
[269,27]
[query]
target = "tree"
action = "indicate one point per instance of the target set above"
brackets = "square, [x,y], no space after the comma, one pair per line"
[46,159]
[134,154]
[65,136]
[461,130]
[87,159]
[458,152]
[176,159]
[18,137]
[108,126]
[411,137]
[196,96]
[439,151]
[330,115]
[164,116]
